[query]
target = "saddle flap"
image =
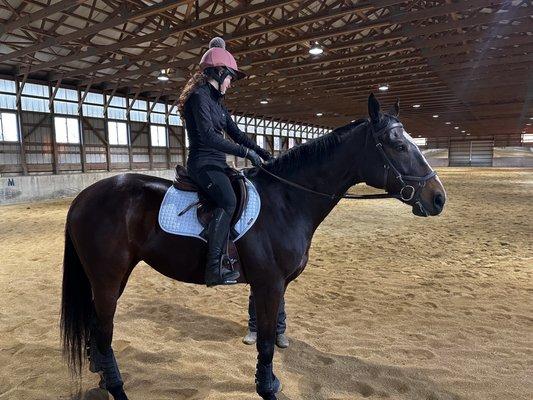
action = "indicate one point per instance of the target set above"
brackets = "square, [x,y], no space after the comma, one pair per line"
[178,212]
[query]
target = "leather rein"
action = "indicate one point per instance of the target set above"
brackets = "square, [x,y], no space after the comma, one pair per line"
[406,193]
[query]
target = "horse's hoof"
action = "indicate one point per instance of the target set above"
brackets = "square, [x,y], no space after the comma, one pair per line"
[276,385]
[274,389]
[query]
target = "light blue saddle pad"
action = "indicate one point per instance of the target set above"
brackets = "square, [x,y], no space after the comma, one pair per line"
[187,224]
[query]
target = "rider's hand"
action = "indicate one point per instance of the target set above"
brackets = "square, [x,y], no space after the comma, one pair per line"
[253,157]
[265,155]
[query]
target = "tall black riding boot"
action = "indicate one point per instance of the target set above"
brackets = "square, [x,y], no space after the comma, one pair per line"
[215,272]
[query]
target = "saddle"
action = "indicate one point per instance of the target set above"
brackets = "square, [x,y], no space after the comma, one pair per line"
[204,207]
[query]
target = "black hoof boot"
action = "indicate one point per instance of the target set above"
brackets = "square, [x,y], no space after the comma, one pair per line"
[107,368]
[118,393]
[266,383]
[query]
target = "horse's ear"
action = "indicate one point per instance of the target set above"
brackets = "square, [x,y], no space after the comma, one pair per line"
[373,108]
[395,109]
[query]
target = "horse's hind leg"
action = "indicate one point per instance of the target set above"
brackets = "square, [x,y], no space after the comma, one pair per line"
[101,353]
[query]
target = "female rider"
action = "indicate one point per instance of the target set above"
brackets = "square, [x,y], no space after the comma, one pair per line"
[205,119]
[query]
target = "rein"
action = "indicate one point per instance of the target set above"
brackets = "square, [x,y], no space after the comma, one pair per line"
[293,184]
[407,192]
[332,196]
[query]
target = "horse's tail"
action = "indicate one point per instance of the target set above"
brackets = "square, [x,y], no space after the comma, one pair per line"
[76,307]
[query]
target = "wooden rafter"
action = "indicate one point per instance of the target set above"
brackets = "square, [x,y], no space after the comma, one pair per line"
[462,58]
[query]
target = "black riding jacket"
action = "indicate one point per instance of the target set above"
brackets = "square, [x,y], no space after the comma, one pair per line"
[205,118]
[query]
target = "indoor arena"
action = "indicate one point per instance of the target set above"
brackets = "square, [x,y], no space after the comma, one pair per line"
[387,295]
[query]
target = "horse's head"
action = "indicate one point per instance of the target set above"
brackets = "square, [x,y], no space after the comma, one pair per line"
[395,163]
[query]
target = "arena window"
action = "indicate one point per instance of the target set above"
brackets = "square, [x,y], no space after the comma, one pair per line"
[277,143]
[158,135]
[34,98]
[174,118]
[260,128]
[8,127]
[292,142]
[93,105]
[157,116]
[118,133]
[117,109]
[260,140]
[67,130]
[139,111]
[250,125]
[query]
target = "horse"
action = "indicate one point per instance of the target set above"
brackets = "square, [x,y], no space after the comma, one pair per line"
[113,224]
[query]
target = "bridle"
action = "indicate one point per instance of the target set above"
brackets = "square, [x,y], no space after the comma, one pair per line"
[407,192]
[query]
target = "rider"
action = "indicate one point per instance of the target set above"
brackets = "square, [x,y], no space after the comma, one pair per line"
[205,119]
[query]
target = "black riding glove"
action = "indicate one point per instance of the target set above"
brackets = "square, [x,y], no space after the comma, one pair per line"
[265,155]
[253,157]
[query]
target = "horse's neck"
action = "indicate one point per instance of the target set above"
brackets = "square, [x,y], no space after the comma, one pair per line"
[332,175]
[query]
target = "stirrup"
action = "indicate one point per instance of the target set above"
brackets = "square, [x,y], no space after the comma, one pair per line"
[226,274]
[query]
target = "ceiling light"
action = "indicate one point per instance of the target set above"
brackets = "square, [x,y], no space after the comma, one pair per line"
[383,88]
[435,115]
[463,131]
[468,134]
[455,127]
[264,101]
[530,117]
[316,49]
[319,114]
[163,76]
[448,123]
[416,105]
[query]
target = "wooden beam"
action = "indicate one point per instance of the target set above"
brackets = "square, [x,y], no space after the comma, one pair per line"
[182,28]
[44,12]
[125,16]
[55,150]
[22,145]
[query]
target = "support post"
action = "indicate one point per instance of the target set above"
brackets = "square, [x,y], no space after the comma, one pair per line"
[55,156]
[23,161]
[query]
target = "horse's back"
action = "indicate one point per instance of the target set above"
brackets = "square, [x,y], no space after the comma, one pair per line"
[120,198]
[122,186]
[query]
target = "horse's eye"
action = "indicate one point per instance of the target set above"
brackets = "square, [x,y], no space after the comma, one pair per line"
[401,147]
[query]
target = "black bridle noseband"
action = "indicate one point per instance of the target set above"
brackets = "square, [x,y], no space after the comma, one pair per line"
[407,192]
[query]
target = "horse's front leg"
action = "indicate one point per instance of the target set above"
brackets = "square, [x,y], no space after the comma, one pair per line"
[267,300]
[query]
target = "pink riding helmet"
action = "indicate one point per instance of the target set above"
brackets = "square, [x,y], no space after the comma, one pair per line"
[218,56]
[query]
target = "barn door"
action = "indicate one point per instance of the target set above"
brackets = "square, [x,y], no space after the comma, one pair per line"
[471,153]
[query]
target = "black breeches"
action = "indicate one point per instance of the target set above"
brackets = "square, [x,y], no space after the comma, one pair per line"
[217,186]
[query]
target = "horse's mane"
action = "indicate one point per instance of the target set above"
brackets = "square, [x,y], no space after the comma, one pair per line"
[312,150]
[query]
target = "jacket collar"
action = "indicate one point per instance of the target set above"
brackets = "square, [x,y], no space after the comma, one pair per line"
[215,94]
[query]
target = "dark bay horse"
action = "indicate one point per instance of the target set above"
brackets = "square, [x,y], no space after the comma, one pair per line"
[113,224]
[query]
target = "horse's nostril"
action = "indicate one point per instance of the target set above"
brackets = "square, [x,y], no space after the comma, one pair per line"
[438,201]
